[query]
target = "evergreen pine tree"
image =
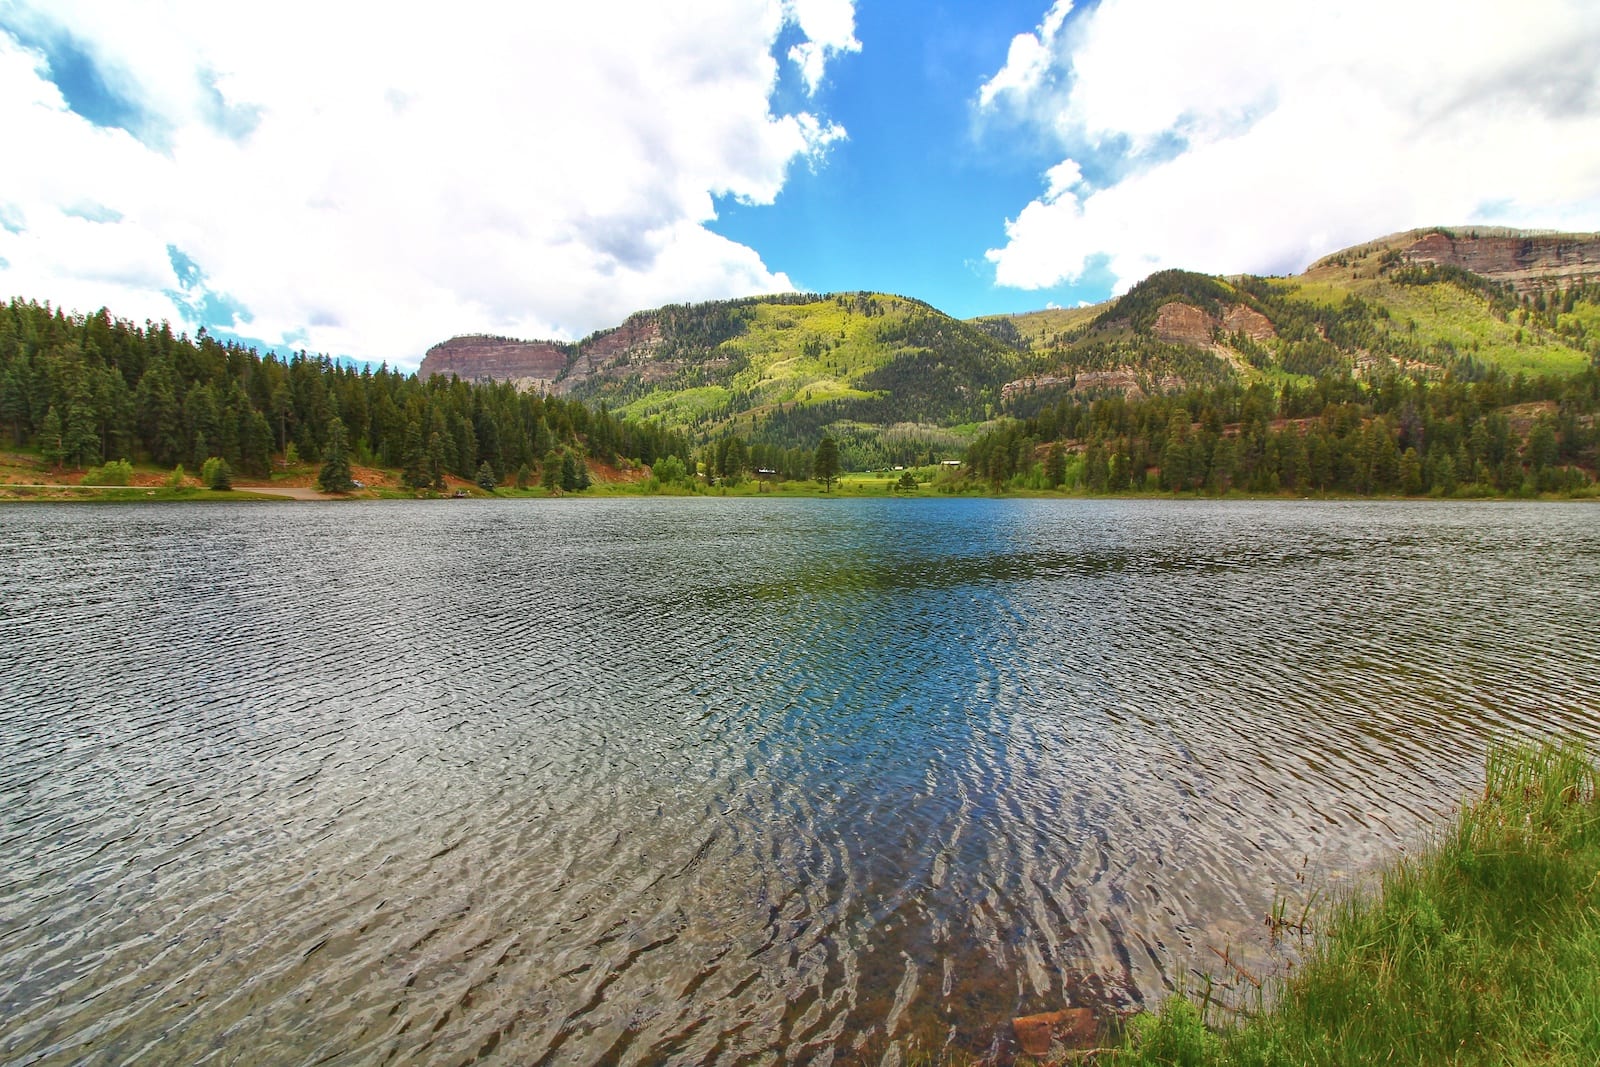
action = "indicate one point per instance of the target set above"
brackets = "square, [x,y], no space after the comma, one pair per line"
[82,437]
[1410,472]
[14,404]
[1096,470]
[825,463]
[335,474]
[413,457]
[156,411]
[1055,466]
[436,460]
[52,442]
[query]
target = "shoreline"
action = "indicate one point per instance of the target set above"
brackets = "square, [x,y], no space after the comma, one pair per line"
[1483,946]
[67,492]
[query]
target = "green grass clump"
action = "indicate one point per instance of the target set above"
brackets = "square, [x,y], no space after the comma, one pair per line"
[1485,949]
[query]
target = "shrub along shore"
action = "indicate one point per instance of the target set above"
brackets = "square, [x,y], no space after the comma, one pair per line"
[26,476]
[1482,949]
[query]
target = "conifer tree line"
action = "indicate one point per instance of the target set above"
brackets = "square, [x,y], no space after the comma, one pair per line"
[731,457]
[91,388]
[1494,435]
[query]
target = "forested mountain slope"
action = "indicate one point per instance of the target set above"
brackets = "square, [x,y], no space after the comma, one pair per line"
[1399,304]
[1487,378]
[1390,368]
[888,375]
[896,380]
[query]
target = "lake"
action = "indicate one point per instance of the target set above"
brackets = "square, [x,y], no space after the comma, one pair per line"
[724,781]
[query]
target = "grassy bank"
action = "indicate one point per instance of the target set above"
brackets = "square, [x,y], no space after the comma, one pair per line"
[1484,949]
[26,476]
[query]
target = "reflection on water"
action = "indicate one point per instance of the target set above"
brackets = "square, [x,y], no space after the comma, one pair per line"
[687,781]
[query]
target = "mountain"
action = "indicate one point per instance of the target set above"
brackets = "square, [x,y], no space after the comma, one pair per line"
[1425,301]
[875,367]
[872,366]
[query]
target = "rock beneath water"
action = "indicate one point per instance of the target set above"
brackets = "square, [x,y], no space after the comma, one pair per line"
[1075,1027]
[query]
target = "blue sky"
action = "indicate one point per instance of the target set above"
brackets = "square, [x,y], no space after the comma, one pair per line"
[920,190]
[302,176]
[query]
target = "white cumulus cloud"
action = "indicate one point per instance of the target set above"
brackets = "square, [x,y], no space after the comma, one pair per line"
[829,27]
[366,185]
[1258,135]
[1029,59]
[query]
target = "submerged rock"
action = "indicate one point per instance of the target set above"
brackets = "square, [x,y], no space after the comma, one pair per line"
[1075,1027]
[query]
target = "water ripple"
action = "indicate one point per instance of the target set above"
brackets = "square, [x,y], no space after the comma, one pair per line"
[690,781]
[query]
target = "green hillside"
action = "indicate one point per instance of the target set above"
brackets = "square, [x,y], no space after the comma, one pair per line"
[896,380]
[1392,330]
[1366,321]
[890,374]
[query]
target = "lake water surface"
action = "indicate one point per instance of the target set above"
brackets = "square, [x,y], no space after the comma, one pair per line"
[722,781]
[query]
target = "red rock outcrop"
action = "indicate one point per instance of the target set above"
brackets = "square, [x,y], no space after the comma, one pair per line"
[631,350]
[628,346]
[478,358]
[1248,321]
[1183,324]
[1527,261]
[552,366]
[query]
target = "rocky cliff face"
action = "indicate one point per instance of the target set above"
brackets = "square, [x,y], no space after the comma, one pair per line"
[1248,321]
[631,350]
[550,366]
[1123,380]
[476,358]
[1527,261]
[1184,324]
[615,353]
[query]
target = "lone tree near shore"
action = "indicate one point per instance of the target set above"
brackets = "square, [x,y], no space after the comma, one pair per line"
[216,473]
[825,464]
[335,476]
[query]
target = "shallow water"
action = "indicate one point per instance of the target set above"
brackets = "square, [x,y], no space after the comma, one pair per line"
[706,781]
